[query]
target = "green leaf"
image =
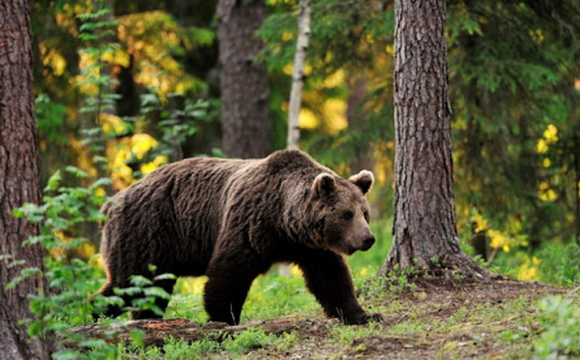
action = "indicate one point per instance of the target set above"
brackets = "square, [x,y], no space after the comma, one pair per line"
[137,336]
[54,181]
[76,172]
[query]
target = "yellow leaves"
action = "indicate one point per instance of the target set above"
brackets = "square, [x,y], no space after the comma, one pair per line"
[53,59]
[546,163]
[529,270]
[141,144]
[85,250]
[151,38]
[335,111]
[288,69]
[287,36]
[119,57]
[542,146]
[369,38]
[500,240]
[537,36]
[336,79]
[126,149]
[550,136]
[546,193]
[307,119]
[100,192]
[157,162]
[480,223]
[113,124]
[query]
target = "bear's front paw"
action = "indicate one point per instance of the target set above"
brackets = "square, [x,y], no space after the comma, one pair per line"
[365,319]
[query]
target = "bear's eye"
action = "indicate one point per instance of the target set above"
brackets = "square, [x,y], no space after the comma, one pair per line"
[347,215]
[367,216]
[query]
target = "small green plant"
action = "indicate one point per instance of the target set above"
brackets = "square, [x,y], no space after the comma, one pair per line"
[561,322]
[251,339]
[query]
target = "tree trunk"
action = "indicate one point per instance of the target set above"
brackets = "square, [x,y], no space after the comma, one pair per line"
[298,74]
[424,228]
[19,180]
[363,152]
[244,84]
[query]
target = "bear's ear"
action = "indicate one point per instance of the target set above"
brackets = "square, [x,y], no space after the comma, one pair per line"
[364,180]
[324,185]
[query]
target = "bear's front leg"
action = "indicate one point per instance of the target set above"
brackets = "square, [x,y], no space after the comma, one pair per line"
[328,278]
[230,276]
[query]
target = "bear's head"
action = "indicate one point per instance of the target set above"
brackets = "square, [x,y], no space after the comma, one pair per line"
[341,212]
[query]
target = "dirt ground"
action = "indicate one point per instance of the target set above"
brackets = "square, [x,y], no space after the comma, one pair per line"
[474,335]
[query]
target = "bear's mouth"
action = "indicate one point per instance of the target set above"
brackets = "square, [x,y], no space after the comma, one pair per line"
[365,247]
[351,250]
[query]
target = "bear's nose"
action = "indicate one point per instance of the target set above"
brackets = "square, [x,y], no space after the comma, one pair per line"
[368,242]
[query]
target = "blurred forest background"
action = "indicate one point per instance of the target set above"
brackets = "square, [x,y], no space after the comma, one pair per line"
[137,84]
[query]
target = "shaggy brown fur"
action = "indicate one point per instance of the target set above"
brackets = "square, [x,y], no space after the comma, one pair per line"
[231,220]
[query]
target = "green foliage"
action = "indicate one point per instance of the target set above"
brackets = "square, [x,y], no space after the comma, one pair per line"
[560,320]
[560,264]
[179,120]
[71,279]
[50,118]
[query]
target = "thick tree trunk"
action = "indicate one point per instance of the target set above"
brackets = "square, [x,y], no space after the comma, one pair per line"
[424,228]
[19,180]
[244,84]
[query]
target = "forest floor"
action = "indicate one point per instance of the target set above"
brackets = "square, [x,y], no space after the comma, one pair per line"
[434,321]
[429,319]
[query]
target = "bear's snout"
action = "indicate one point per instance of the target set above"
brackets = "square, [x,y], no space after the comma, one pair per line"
[368,243]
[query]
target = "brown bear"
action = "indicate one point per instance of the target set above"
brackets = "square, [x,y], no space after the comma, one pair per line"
[231,220]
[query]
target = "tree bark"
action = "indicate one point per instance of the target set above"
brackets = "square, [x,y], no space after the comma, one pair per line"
[244,84]
[298,74]
[19,180]
[424,228]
